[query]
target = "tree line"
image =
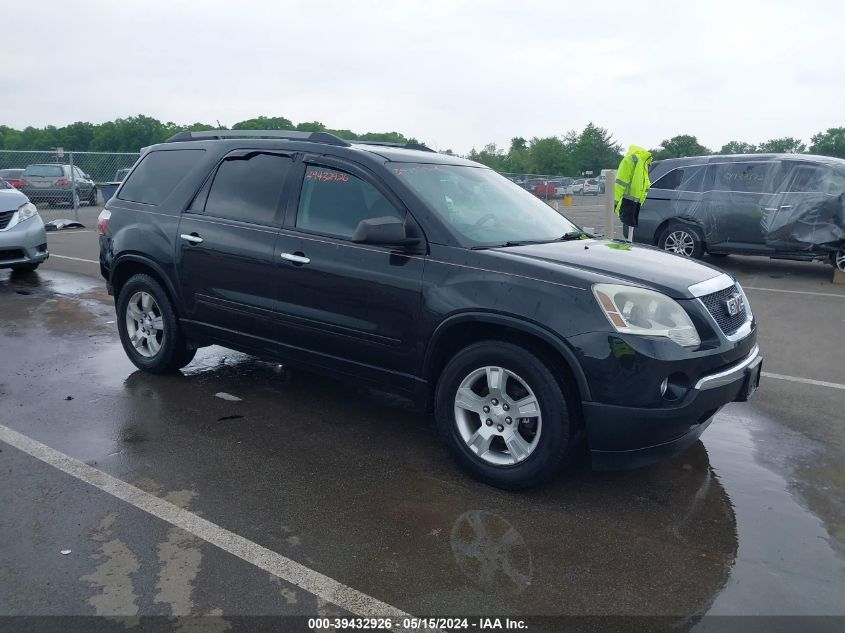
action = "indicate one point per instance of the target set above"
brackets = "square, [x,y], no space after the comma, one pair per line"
[574,153]
[133,133]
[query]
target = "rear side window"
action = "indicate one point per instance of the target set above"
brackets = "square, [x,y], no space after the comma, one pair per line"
[46,171]
[157,175]
[808,179]
[681,179]
[334,202]
[742,177]
[248,188]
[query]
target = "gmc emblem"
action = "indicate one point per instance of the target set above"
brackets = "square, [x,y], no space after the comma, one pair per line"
[734,305]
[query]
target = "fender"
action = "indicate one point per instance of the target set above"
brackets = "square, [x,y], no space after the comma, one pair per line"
[168,282]
[528,327]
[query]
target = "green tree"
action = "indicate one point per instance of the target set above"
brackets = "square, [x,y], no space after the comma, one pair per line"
[491,156]
[548,156]
[265,123]
[738,147]
[592,150]
[680,146]
[829,143]
[785,145]
[518,159]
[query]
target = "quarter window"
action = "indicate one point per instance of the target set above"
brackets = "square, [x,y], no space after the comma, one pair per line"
[248,188]
[334,202]
[157,175]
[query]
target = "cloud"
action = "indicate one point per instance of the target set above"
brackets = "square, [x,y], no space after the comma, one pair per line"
[455,73]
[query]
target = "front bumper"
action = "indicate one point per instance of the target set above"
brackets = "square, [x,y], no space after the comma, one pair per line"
[24,243]
[629,437]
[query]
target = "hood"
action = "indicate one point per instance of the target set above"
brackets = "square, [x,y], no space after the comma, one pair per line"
[630,263]
[11,199]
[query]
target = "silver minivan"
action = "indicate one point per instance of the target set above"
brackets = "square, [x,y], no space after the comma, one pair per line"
[57,184]
[788,206]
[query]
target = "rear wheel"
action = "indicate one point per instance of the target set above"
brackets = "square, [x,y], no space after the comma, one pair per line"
[681,240]
[148,327]
[503,415]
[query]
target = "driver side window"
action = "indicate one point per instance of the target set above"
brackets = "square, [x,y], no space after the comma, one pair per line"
[333,202]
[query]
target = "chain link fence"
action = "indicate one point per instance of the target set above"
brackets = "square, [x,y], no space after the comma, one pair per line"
[58,178]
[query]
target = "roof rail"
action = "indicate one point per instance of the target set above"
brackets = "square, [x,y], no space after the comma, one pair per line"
[294,135]
[417,146]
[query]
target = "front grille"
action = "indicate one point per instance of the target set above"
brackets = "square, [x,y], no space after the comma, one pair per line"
[11,253]
[5,216]
[716,304]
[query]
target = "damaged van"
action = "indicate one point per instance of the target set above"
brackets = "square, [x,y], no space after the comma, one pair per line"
[785,206]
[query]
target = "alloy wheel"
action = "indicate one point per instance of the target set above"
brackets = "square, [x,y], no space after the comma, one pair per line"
[498,416]
[839,259]
[680,242]
[144,324]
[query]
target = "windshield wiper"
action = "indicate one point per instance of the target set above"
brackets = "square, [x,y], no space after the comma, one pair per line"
[511,243]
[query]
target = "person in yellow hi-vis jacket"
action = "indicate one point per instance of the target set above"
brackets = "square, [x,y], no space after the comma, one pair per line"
[631,187]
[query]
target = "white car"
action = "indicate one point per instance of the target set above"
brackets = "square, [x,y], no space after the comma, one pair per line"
[23,240]
[578,186]
[590,187]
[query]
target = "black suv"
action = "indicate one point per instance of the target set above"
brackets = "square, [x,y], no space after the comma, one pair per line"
[435,277]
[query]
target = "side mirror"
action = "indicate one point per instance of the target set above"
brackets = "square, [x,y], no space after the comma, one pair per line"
[388,230]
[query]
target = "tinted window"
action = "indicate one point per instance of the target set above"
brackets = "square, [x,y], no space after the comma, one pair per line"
[808,178]
[682,179]
[248,188]
[158,174]
[742,177]
[334,202]
[49,171]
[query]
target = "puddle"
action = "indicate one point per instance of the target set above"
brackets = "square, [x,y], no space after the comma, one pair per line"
[785,564]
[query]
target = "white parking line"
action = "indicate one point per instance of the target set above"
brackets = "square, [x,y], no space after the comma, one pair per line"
[806,381]
[284,568]
[76,259]
[797,292]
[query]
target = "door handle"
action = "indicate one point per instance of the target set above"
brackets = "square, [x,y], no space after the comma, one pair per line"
[193,238]
[296,259]
[786,206]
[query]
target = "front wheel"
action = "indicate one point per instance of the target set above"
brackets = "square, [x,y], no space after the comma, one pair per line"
[681,240]
[148,327]
[838,259]
[504,415]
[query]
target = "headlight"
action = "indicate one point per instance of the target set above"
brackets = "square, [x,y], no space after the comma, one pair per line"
[26,211]
[639,311]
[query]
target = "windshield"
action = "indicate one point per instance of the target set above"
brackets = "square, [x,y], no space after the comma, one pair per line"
[484,208]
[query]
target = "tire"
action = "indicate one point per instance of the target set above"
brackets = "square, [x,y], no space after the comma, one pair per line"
[25,268]
[838,259]
[162,349]
[683,240]
[547,439]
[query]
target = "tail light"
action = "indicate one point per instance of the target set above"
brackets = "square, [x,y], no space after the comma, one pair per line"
[62,182]
[103,222]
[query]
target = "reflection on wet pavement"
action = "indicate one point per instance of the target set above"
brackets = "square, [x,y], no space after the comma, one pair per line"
[353,483]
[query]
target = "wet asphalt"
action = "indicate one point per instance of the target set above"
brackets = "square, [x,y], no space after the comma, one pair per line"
[354,484]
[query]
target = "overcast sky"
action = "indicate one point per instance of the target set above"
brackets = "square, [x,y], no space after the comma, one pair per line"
[454,73]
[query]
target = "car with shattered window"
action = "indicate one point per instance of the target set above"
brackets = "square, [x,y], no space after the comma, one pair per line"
[434,277]
[784,206]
